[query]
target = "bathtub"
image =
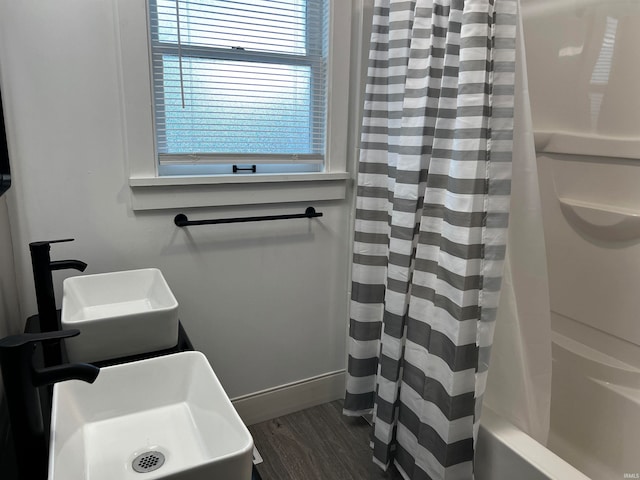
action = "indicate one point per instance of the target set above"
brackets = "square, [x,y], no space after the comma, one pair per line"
[595,410]
[505,452]
[595,422]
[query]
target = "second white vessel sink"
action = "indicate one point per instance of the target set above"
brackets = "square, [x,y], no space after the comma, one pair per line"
[119,314]
[166,417]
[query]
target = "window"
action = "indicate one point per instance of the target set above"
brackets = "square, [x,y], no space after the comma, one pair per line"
[238,83]
[316,169]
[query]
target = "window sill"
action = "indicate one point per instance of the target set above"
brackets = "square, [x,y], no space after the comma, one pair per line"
[158,193]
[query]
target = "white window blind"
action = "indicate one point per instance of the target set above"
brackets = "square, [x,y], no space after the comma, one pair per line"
[239,82]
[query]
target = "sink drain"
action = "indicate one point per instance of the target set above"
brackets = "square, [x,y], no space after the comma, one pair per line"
[148,461]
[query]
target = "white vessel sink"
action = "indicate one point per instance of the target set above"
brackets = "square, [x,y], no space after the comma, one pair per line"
[171,406]
[119,314]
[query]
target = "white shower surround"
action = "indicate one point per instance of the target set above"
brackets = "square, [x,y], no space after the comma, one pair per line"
[589,172]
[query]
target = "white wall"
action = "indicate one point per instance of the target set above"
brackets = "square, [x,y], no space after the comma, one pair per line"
[266,302]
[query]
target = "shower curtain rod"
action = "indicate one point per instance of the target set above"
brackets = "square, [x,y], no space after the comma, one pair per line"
[181,219]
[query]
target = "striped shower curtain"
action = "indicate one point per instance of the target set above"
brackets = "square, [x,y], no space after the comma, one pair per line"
[431,221]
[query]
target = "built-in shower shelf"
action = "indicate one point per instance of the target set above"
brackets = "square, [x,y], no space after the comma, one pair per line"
[579,143]
[606,222]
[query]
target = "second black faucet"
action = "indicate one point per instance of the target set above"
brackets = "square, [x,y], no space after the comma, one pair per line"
[45,296]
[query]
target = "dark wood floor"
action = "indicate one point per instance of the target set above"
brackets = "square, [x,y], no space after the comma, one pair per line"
[317,443]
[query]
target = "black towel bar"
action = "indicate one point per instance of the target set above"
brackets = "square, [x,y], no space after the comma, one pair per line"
[181,219]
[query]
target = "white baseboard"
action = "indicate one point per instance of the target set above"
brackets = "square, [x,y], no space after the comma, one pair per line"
[292,397]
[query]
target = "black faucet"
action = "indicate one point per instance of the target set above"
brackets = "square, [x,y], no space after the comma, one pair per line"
[43,280]
[21,382]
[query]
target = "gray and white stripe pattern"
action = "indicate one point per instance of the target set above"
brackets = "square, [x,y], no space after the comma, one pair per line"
[430,231]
